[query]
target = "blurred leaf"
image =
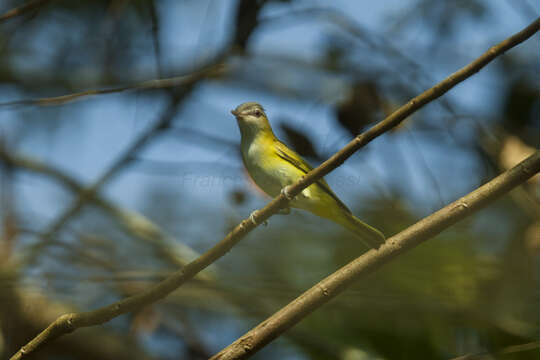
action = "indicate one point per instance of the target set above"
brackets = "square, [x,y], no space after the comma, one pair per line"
[247,19]
[237,197]
[298,141]
[521,111]
[360,108]
[146,321]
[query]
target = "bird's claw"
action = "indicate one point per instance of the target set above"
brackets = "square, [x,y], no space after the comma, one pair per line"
[285,191]
[252,218]
[284,211]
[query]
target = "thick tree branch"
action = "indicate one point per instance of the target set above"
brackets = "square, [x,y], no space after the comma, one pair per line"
[70,322]
[336,283]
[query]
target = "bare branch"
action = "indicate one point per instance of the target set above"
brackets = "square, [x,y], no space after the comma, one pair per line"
[407,239]
[212,71]
[395,245]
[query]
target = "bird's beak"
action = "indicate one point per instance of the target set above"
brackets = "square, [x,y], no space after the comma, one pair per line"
[235,113]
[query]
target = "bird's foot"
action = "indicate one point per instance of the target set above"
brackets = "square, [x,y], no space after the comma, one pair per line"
[284,211]
[252,218]
[285,191]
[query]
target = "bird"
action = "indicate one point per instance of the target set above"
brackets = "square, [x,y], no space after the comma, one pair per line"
[273,166]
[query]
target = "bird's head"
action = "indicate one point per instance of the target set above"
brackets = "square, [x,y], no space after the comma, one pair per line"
[251,117]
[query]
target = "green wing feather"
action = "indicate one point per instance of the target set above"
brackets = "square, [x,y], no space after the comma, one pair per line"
[296,160]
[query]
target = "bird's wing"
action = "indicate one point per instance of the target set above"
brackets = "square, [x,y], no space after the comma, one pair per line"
[296,160]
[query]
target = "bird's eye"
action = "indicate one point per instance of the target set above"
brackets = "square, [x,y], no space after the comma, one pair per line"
[257,113]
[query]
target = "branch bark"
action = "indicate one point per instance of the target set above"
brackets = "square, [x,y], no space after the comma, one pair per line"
[336,283]
[69,322]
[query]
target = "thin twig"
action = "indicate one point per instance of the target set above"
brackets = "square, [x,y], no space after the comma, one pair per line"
[23,9]
[155,37]
[533,345]
[212,71]
[69,322]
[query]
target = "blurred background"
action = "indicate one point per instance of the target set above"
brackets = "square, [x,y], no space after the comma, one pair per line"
[106,192]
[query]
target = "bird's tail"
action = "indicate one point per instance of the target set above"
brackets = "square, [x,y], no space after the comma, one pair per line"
[368,234]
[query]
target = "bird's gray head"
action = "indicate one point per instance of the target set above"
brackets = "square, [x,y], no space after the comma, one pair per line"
[249,110]
[251,118]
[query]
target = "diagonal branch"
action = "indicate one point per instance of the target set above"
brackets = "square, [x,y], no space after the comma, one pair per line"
[69,322]
[370,261]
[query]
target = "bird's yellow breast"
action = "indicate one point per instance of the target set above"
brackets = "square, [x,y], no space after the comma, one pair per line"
[271,173]
[264,167]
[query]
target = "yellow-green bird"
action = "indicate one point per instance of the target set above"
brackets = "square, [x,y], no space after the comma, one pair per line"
[273,166]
